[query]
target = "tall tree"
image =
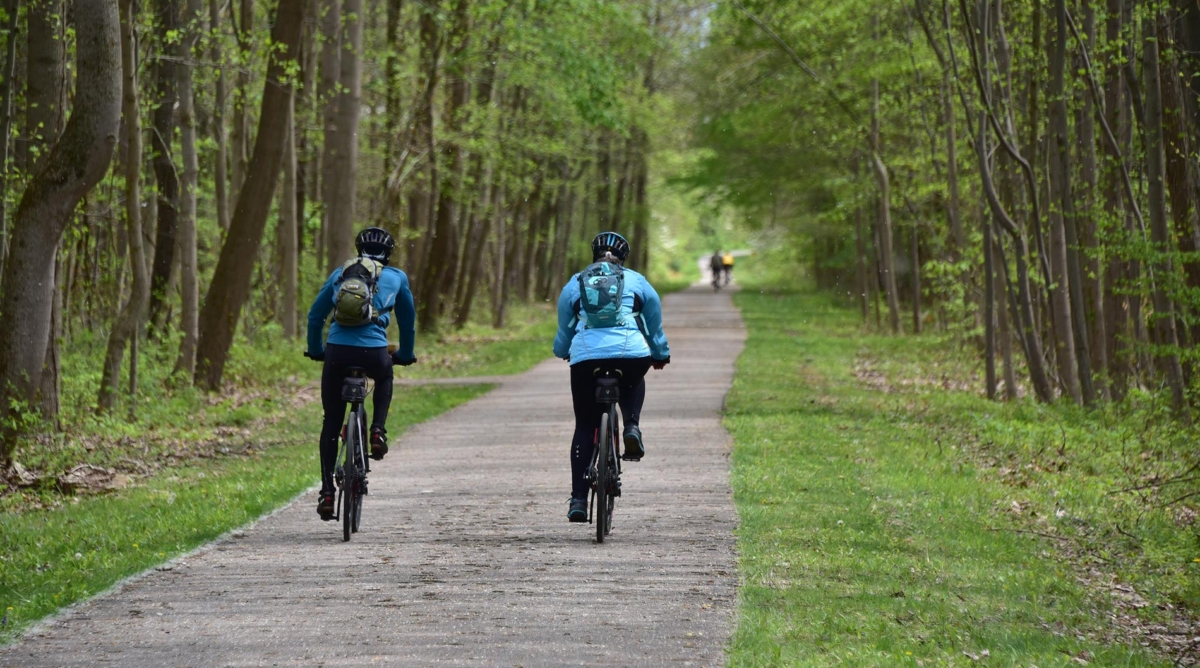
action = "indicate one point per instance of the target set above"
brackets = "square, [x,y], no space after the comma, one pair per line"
[189,278]
[230,285]
[133,313]
[77,162]
[165,175]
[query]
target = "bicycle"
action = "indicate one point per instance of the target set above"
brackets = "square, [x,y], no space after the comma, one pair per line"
[351,476]
[716,281]
[604,473]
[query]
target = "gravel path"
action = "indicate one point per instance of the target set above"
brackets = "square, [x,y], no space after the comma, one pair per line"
[466,557]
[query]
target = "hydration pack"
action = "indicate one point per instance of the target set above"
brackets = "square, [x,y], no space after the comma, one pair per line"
[601,287]
[355,292]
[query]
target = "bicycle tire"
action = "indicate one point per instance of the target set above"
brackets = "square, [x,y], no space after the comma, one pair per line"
[603,443]
[614,467]
[350,493]
[360,491]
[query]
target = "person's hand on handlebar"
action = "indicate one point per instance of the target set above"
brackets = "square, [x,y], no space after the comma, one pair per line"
[316,357]
[402,362]
[660,364]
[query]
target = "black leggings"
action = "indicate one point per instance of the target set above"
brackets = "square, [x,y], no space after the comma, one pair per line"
[377,364]
[587,412]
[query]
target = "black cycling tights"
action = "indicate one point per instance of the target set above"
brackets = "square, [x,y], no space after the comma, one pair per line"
[587,411]
[378,366]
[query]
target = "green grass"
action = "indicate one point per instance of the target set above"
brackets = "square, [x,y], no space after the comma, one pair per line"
[878,527]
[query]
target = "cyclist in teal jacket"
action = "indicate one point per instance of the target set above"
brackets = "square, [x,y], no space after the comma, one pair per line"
[364,347]
[633,346]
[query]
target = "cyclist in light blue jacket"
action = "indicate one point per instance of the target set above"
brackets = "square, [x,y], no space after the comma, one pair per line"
[632,346]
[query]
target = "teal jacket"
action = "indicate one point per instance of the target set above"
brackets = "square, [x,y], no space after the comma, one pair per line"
[638,335]
[391,294]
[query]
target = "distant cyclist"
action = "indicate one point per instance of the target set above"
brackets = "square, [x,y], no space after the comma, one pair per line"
[364,289]
[727,266]
[716,266]
[628,338]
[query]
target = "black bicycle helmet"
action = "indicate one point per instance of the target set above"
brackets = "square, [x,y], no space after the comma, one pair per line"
[375,243]
[610,242]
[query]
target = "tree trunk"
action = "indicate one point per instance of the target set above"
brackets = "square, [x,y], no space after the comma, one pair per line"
[860,256]
[989,310]
[240,138]
[437,274]
[11,11]
[133,313]
[1066,331]
[604,182]
[44,80]
[341,140]
[230,286]
[1029,334]
[1115,303]
[884,218]
[221,166]
[1164,312]
[189,278]
[166,80]
[1003,328]
[287,248]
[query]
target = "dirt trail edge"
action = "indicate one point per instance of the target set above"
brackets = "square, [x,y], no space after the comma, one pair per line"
[465,555]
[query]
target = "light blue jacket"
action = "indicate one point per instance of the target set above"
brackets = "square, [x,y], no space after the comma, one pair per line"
[626,340]
[391,294]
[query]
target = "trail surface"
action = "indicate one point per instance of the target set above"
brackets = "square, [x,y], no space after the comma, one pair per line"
[465,556]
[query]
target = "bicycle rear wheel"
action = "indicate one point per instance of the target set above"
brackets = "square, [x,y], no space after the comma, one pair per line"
[351,498]
[603,501]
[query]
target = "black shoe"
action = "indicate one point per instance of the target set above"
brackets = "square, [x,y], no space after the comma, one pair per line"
[379,446]
[325,503]
[633,444]
[577,511]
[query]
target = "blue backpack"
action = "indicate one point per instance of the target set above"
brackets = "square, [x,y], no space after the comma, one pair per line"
[601,287]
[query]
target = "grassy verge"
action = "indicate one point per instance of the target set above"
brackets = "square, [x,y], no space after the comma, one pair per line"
[201,465]
[890,519]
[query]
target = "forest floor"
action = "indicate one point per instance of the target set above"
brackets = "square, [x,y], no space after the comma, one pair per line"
[109,496]
[891,515]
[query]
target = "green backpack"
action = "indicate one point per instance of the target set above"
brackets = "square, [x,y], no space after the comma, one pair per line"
[601,288]
[355,291]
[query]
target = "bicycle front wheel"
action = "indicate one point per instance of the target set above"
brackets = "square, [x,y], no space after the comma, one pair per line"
[603,508]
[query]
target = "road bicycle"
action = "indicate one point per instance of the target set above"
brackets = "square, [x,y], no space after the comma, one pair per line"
[604,473]
[351,476]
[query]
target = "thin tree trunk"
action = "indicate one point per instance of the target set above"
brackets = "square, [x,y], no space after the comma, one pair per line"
[287,249]
[221,166]
[240,138]
[341,140]
[437,274]
[860,256]
[327,92]
[989,310]
[884,218]
[189,278]
[1164,311]
[230,286]
[133,313]
[167,16]
[11,10]
[1064,307]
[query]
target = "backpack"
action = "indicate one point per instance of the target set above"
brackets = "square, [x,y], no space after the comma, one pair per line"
[601,287]
[355,292]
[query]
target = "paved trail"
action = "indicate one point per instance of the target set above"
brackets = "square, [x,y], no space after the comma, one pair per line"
[466,557]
